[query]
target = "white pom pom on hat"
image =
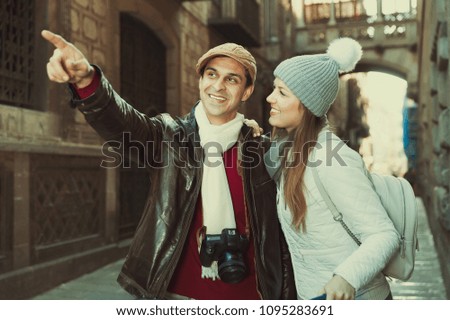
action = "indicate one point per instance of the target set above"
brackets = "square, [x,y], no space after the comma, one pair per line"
[314,79]
[346,52]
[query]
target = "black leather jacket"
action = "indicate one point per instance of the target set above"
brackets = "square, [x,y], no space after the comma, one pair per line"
[170,149]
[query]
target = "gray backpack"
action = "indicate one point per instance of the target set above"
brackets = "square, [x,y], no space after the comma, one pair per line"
[397,197]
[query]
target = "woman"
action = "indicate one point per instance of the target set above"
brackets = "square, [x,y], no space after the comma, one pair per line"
[325,258]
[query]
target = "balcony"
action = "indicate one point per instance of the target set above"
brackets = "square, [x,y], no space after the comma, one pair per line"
[319,23]
[237,21]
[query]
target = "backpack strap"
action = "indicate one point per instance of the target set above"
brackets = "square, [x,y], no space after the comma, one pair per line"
[336,214]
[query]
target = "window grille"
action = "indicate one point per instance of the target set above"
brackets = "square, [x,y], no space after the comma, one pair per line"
[66,204]
[17,29]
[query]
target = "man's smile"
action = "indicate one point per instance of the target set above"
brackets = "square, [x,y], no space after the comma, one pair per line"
[218,98]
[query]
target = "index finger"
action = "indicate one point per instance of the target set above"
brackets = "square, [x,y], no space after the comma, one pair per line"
[58,41]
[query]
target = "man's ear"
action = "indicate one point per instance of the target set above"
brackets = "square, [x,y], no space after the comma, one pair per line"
[247,93]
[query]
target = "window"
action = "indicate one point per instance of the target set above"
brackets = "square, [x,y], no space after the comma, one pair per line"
[17,38]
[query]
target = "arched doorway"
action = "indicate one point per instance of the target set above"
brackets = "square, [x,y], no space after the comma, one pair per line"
[143,85]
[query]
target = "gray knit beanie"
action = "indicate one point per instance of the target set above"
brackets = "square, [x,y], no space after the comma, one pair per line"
[314,79]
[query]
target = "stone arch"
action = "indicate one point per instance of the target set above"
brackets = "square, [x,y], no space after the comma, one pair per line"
[402,63]
[381,66]
[153,16]
[399,62]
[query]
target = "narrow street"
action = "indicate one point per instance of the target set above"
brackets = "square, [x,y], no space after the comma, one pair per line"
[425,284]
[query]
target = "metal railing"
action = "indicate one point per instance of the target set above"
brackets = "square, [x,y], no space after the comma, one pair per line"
[390,30]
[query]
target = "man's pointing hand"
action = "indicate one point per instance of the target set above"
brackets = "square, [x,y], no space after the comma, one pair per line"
[67,63]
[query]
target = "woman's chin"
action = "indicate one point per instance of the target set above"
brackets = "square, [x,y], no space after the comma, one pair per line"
[275,124]
[272,122]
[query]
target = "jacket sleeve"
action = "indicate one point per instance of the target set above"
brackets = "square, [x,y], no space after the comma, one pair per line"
[343,176]
[130,133]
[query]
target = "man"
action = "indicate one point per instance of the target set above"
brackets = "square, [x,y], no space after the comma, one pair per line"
[209,229]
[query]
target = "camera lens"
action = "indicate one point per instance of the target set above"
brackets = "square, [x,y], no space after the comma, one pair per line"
[231,267]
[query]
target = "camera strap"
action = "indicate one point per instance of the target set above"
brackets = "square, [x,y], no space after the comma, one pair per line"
[212,271]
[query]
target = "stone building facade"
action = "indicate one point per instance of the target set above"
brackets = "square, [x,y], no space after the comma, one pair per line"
[433,150]
[61,214]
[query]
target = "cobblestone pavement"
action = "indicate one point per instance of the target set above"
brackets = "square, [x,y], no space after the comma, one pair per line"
[98,285]
[426,282]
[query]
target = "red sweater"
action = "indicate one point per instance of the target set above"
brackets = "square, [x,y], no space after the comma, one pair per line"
[187,280]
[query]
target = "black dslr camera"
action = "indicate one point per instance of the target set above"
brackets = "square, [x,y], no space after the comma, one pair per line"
[227,248]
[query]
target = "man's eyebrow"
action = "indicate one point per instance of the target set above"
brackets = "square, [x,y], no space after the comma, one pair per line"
[210,68]
[229,74]
[235,75]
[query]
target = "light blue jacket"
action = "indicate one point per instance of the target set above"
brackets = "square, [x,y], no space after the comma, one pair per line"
[326,248]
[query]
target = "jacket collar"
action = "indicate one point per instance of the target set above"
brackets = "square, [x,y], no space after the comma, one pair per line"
[192,127]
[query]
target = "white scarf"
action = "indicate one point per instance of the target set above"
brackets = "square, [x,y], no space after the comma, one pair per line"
[218,210]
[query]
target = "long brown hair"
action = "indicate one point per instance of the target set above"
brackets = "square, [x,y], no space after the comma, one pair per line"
[294,162]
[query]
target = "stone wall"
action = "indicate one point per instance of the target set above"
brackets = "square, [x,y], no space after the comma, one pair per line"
[434,114]
[194,41]
[434,111]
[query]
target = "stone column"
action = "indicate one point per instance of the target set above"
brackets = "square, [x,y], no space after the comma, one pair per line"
[271,23]
[359,9]
[228,8]
[298,7]
[379,11]
[332,20]
[21,205]
[111,204]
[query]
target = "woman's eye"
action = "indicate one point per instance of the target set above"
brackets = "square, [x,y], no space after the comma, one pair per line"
[232,80]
